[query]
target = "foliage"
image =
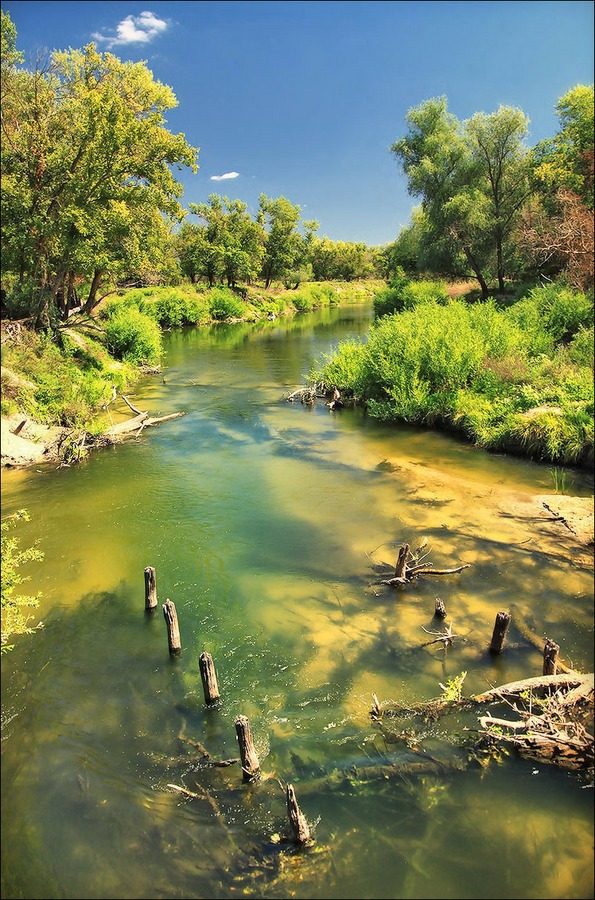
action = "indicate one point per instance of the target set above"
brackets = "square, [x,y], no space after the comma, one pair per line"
[224,304]
[517,379]
[403,293]
[87,184]
[472,178]
[14,617]
[283,241]
[566,161]
[131,335]
[451,691]
[60,381]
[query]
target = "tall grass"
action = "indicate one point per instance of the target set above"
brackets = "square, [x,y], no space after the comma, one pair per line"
[519,379]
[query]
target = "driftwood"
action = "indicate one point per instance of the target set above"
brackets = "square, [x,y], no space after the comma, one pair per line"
[404,572]
[539,684]
[135,426]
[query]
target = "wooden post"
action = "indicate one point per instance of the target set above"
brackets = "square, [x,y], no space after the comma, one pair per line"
[500,628]
[440,611]
[550,657]
[299,826]
[150,589]
[209,678]
[248,756]
[173,632]
[402,561]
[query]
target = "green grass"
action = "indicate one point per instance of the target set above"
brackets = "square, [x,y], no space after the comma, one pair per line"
[518,379]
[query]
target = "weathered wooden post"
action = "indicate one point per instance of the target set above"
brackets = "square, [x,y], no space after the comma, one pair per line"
[248,756]
[401,566]
[173,631]
[440,611]
[150,589]
[209,678]
[297,820]
[550,657]
[499,634]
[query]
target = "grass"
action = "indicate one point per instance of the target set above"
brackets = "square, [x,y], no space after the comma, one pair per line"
[518,379]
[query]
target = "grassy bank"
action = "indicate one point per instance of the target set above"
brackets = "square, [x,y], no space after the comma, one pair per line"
[516,377]
[65,377]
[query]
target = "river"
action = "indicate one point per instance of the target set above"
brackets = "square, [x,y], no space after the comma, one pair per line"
[268,524]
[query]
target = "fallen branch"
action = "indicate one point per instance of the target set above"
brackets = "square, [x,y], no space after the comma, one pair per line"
[540,683]
[404,572]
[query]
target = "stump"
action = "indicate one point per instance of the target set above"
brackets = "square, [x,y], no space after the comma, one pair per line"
[499,634]
[209,678]
[550,657]
[248,755]
[297,820]
[402,561]
[173,631]
[150,589]
[440,611]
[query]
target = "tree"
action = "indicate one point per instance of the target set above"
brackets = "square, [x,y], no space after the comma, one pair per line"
[228,244]
[566,161]
[502,170]
[283,241]
[87,183]
[556,230]
[472,179]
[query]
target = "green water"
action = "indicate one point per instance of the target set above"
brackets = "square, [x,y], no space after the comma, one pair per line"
[268,523]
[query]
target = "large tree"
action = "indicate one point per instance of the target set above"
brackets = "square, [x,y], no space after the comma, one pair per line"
[472,181]
[88,189]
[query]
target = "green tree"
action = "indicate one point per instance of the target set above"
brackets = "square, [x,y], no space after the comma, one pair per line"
[566,160]
[283,240]
[88,189]
[472,180]
[14,618]
[228,244]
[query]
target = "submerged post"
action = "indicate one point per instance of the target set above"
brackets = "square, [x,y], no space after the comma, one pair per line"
[440,610]
[550,657]
[499,634]
[248,756]
[297,820]
[402,561]
[173,631]
[209,678]
[150,589]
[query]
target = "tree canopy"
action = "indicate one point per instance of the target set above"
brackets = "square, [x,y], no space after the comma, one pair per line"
[87,183]
[472,178]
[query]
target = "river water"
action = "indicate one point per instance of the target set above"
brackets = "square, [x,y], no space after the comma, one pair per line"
[268,524]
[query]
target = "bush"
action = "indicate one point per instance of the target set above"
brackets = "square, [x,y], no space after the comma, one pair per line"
[478,368]
[403,293]
[224,304]
[132,336]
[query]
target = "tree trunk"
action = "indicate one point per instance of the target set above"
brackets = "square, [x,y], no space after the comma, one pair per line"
[473,263]
[92,298]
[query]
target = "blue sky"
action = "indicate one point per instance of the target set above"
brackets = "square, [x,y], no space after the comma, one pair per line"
[303,99]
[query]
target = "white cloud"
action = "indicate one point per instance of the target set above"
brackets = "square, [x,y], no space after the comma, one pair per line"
[225,177]
[134,30]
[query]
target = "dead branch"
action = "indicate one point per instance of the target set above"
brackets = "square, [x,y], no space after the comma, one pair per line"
[540,683]
[133,408]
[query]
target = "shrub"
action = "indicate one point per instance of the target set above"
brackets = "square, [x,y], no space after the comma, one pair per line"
[132,336]
[224,304]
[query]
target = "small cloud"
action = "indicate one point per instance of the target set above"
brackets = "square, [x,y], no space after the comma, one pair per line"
[225,177]
[139,29]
